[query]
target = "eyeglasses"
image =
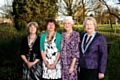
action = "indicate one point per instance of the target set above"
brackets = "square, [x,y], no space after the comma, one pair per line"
[50,25]
[67,23]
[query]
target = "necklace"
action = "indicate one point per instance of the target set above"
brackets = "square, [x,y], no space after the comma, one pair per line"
[86,47]
[49,39]
[68,35]
[32,43]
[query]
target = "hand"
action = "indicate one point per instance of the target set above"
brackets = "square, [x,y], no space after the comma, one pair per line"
[71,70]
[53,66]
[100,75]
[78,69]
[30,64]
[48,66]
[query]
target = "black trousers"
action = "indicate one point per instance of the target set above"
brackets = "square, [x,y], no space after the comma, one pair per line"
[88,74]
[51,79]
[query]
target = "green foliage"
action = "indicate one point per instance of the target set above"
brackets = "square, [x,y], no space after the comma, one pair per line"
[11,63]
[11,66]
[113,67]
[26,11]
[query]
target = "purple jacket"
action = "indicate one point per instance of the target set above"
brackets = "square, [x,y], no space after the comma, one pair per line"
[96,54]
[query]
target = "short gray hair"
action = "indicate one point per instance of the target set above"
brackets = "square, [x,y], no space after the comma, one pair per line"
[69,18]
[32,23]
[91,19]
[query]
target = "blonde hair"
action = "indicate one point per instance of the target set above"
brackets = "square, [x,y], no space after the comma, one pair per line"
[91,19]
[32,23]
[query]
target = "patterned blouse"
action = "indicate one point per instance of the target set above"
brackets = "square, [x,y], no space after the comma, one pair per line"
[51,51]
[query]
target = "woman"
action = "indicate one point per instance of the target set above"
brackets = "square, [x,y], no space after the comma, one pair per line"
[30,54]
[50,51]
[93,55]
[69,50]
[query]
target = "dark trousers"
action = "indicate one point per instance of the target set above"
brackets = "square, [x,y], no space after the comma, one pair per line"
[51,79]
[88,74]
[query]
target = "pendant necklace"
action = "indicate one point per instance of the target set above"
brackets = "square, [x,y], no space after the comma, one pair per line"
[86,47]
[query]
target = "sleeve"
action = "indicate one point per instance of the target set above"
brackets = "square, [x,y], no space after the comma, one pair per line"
[75,46]
[22,47]
[42,42]
[38,49]
[58,41]
[102,55]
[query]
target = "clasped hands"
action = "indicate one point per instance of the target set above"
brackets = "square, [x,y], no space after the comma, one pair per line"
[30,64]
[51,66]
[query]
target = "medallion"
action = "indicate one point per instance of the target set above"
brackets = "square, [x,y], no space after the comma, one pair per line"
[83,55]
[82,44]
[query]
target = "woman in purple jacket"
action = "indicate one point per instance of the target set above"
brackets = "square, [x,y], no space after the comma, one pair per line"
[93,52]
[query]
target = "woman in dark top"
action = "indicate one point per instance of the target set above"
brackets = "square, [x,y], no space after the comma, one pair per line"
[30,54]
[93,52]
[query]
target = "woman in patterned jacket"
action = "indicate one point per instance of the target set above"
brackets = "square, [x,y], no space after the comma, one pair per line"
[69,50]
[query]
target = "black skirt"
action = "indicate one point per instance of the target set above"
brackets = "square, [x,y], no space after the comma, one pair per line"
[33,73]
